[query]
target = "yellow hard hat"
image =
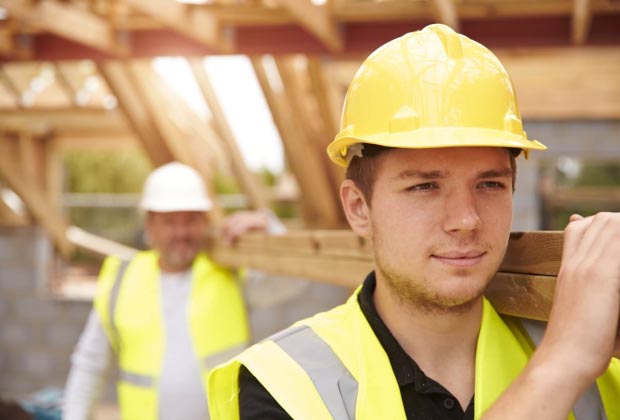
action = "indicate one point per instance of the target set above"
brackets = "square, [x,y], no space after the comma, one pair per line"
[430,88]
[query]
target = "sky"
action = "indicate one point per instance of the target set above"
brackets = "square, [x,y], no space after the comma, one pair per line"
[241,99]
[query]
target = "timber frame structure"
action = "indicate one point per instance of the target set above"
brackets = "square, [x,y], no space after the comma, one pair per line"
[77,74]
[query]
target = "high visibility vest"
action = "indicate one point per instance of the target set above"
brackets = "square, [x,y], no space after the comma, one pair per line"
[128,302]
[332,366]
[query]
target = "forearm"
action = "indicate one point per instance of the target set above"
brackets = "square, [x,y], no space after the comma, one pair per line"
[82,391]
[90,365]
[545,390]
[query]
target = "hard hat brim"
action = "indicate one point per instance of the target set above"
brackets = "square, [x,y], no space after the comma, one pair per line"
[430,138]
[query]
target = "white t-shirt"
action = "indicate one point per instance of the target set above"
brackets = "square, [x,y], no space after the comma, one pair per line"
[181,394]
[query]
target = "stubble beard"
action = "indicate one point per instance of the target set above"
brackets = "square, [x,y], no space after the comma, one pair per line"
[419,296]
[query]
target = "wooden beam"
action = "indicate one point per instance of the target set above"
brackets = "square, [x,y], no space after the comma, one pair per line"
[65,85]
[35,200]
[116,141]
[9,217]
[76,120]
[311,139]
[584,85]
[251,187]
[31,159]
[196,23]
[584,197]
[316,20]
[98,245]
[5,79]
[447,13]
[317,204]
[68,21]
[54,171]
[581,21]
[523,287]
[121,82]
[322,89]
[7,42]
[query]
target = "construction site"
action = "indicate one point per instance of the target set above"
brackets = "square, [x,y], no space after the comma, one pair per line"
[96,94]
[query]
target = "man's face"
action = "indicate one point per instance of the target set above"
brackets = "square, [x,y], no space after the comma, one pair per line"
[440,221]
[178,236]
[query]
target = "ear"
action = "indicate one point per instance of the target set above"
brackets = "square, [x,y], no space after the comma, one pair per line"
[355,208]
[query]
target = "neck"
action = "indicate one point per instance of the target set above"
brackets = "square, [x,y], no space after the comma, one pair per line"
[442,343]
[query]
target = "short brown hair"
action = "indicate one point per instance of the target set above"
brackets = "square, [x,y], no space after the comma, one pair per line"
[361,170]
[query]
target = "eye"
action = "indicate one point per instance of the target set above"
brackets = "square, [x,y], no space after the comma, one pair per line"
[494,185]
[427,186]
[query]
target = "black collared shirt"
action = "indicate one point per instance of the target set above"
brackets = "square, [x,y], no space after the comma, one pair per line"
[423,398]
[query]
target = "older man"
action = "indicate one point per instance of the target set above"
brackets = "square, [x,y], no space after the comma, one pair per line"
[168,316]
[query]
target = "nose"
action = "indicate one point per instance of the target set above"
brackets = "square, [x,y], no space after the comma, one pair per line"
[461,212]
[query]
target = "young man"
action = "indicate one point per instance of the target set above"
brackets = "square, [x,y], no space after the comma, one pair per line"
[430,131]
[167,316]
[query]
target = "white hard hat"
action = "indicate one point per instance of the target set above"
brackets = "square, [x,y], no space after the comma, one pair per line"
[174,187]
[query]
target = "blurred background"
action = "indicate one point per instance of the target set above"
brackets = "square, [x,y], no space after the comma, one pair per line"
[96,93]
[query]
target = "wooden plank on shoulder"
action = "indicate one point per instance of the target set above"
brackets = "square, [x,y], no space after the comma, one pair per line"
[523,287]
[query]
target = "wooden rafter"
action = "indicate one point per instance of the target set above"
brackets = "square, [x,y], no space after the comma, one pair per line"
[318,205]
[195,23]
[42,121]
[54,171]
[305,89]
[316,20]
[322,87]
[447,13]
[121,140]
[5,79]
[9,217]
[7,42]
[248,182]
[65,85]
[523,287]
[581,21]
[34,198]
[585,82]
[68,21]
[328,110]
[121,82]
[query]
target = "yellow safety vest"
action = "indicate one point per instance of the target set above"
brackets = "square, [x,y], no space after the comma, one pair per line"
[332,366]
[129,305]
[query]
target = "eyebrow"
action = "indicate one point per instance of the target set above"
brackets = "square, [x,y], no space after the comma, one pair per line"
[496,173]
[419,174]
[440,174]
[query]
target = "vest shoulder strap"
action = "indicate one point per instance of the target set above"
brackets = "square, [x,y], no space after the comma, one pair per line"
[113,300]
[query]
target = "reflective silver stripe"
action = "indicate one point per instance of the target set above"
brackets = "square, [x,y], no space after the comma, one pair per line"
[116,287]
[333,381]
[137,379]
[213,360]
[590,405]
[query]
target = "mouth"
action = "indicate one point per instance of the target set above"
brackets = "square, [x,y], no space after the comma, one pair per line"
[459,258]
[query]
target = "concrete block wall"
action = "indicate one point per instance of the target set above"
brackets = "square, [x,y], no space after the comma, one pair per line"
[37,333]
